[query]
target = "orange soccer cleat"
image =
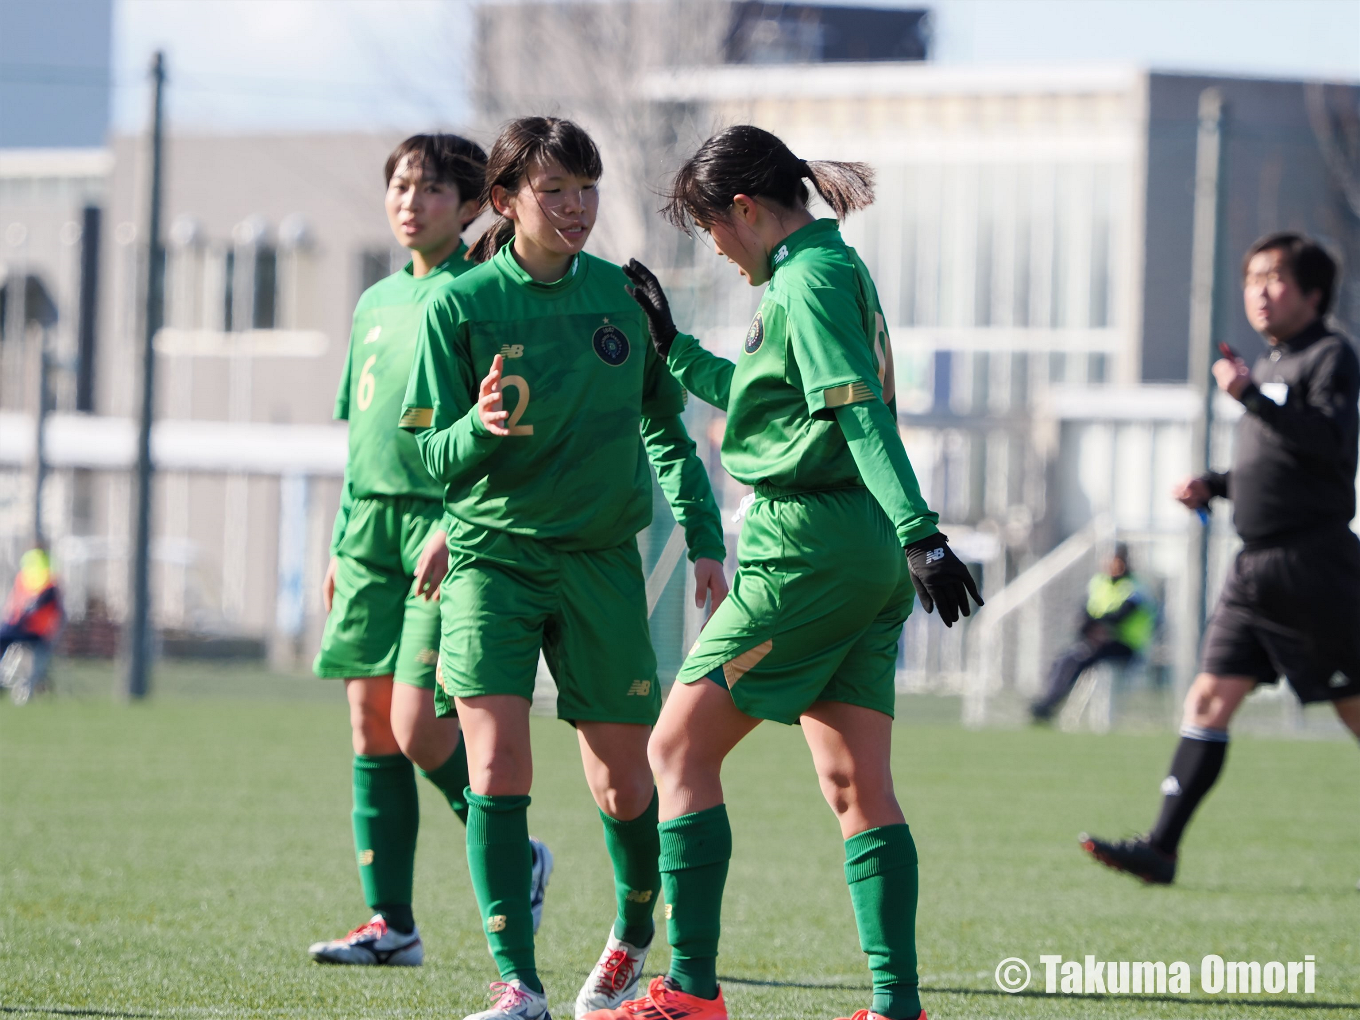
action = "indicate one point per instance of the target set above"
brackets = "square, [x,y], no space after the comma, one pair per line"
[664,1001]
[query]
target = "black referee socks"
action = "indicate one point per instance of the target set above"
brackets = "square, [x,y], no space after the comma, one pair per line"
[1194,768]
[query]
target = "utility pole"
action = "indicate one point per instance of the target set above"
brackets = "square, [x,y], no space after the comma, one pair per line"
[137,634]
[1204,325]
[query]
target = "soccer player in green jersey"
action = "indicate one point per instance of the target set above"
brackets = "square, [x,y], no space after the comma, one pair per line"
[809,634]
[537,399]
[389,554]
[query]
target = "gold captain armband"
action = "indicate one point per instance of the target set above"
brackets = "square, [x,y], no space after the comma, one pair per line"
[856,392]
[416,418]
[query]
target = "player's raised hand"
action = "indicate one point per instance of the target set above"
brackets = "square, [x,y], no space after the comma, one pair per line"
[941,580]
[490,402]
[709,580]
[432,565]
[647,292]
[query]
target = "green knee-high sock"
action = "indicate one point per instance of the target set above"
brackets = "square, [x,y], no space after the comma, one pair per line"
[695,850]
[386,820]
[634,847]
[880,865]
[501,865]
[452,779]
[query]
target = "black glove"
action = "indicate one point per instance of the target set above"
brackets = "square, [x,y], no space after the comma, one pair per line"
[940,578]
[647,292]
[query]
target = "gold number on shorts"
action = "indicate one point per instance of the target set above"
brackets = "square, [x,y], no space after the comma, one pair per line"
[521,385]
[367,384]
[883,355]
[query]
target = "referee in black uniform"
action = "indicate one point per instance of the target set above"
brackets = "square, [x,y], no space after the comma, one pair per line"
[1291,601]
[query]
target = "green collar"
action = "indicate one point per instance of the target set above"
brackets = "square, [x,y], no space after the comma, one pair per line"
[817,234]
[507,263]
[454,256]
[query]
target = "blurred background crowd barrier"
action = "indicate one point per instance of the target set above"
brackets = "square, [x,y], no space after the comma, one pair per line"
[1032,243]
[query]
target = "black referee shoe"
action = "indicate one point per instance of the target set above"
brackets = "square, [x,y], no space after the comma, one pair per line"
[1135,857]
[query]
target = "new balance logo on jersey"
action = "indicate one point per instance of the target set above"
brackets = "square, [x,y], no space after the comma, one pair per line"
[512,351]
[372,335]
[781,254]
[641,688]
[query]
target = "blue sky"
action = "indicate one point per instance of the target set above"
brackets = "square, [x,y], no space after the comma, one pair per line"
[272,65]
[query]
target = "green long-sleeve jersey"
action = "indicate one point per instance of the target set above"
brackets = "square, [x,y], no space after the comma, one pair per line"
[589,404]
[383,460]
[810,401]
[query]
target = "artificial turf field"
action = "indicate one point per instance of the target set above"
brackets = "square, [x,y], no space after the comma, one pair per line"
[175,858]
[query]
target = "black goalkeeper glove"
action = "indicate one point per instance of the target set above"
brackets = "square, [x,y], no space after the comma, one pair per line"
[940,578]
[647,292]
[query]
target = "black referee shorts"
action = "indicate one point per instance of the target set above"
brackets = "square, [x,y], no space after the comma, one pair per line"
[1291,610]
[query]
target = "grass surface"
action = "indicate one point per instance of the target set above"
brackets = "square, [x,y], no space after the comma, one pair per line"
[175,858]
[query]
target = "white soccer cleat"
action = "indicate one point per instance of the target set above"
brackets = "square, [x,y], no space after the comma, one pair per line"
[514,1001]
[614,979]
[372,945]
[538,884]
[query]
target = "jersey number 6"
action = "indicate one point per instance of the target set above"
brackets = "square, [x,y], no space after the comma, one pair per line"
[367,384]
[520,385]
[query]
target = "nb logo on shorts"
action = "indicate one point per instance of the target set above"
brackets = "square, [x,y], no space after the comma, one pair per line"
[427,656]
[642,688]
[365,858]
[495,923]
[934,555]
[639,896]
[1337,680]
[512,351]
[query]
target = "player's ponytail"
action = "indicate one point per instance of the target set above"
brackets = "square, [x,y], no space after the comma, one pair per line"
[747,160]
[521,144]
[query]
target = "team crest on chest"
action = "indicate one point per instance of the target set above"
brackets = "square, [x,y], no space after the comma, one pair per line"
[755,336]
[611,344]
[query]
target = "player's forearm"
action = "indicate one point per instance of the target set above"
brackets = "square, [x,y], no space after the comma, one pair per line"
[703,373]
[882,460]
[684,482]
[342,514]
[455,454]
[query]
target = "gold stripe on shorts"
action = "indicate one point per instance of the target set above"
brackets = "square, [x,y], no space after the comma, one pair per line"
[416,418]
[735,669]
[856,392]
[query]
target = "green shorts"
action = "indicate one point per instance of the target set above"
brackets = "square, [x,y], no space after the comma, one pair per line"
[506,596]
[377,624]
[815,611]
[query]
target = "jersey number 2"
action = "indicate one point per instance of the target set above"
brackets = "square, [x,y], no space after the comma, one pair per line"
[521,386]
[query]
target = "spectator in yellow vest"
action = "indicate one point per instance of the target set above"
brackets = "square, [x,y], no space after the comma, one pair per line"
[1116,625]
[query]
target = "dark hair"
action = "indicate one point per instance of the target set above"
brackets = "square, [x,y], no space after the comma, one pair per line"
[1310,264]
[522,143]
[747,160]
[451,159]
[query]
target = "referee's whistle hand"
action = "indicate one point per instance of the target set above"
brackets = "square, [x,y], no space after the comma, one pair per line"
[1232,375]
[1192,493]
